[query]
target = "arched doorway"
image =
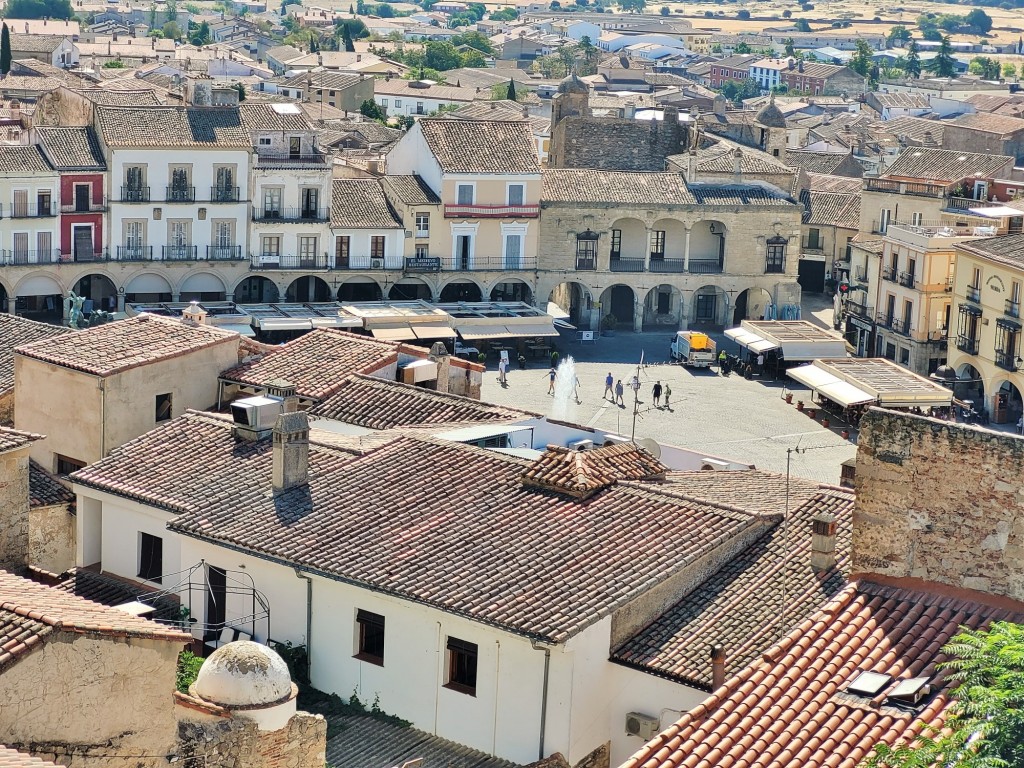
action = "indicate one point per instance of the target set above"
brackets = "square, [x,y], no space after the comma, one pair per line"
[308,288]
[969,385]
[40,297]
[360,289]
[99,293]
[202,286]
[710,306]
[461,290]
[619,301]
[707,248]
[410,289]
[148,288]
[512,290]
[574,300]
[1007,406]
[257,289]
[662,306]
[752,304]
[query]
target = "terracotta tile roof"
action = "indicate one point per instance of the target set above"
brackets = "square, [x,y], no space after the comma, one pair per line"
[115,347]
[360,204]
[45,490]
[317,362]
[574,561]
[913,128]
[821,182]
[71,148]
[584,473]
[116,95]
[31,613]
[615,187]
[379,404]
[1003,125]
[830,209]
[372,131]
[928,164]
[35,43]
[732,196]
[412,190]
[12,439]
[911,100]
[740,605]
[20,159]
[789,707]
[815,162]
[158,127]
[256,116]
[718,158]
[481,146]
[12,758]
[1004,249]
[14,332]
[109,590]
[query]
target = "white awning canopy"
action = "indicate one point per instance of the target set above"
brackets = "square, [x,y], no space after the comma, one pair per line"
[811,376]
[284,324]
[761,345]
[484,332]
[742,336]
[240,328]
[533,329]
[845,394]
[996,211]
[431,331]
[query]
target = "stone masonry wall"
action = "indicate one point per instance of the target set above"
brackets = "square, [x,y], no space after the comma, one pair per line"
[238,743]
[940,502]
[14,512]
[51,538]
[616,144]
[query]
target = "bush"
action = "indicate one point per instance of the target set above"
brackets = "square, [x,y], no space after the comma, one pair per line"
[188,669]
[609,322]
[743,14]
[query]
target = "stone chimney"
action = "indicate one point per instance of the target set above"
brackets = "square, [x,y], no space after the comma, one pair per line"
[737,165]
[286,391]
[291,451]
[717,666]
[194,313]
[691,166]
[823,542]
[929,140]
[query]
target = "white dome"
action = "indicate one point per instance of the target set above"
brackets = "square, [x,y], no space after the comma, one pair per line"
[243,674]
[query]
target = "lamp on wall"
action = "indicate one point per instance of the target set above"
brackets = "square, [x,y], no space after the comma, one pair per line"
[712,228]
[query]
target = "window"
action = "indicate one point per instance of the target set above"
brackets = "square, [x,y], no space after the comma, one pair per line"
[465,193]
[814,239]
[377,247]
[224,234]
[20,202]
[1007,333]
[775,255]
[133,177]
[307,250]
[44,246]
[658,244]
[916,219]
[134,235]
[586,252]
[398,103]
[264,141]
[883,220]
[272,202]
[271,247]
[967,329]
[513,251]
[515,194]
[163,407]
[422,224]
[342,244]
[462,659]
[371,637]
[616,243]
[384,103]
[43,203]
[67,465]
[422,251]
[151,557]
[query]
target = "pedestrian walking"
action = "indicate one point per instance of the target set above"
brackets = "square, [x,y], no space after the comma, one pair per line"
[502,368]
[760,364]
[609,381]
[723,360]
[634,384]
[554,358]
[551,380]
[618,393]
[668,395]
[522,362]
[656,393]
[576,389]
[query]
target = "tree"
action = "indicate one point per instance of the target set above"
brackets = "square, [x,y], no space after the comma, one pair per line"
[862,58]
[985,67]
[384,11]
[5,50]
[201,36]
[741,47]
[664,10]
[899,35]
[346,40]
[39,9]
[441,56]
[913,65]
[979,21]
[787,14]
[633,6]
[743,14]
[314,47]
[172,10]
[370,109]
[241,91]
[351,10]
[1009,70]
[790,50]
[737,92]
[172,31]
[505,14]
[473,59]
[474,39]
[802,25]
[985,727]
[943,65]
[511,93]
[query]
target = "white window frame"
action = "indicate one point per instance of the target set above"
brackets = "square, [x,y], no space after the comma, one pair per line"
[508,193]
[458,187]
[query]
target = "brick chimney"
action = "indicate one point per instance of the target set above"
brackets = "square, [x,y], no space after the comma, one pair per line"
[823,542]
[717,666]
[194,313]
[291,451]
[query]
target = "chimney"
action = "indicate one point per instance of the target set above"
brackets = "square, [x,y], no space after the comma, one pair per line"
[823,542]
[717,666]
[286,391]
[691,167]
[291,451]
[359,57]
[194,314]
[929,140]
[737,165]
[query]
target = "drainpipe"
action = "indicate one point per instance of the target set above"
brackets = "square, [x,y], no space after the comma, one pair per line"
[544,697]
[103,419]
[309,624]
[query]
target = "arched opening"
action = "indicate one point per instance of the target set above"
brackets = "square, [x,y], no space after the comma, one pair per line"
[40,298]
[308,288]
[512,290]
[99,293]
[574,300]
[3,299]
[618,301]
[202,286]
[969,385]
[410,289]
[710,305]
[662,306]
[668,245]
[147,288]
[360,289]
[461,290]
[752,304]
[256,289]
[1008,405]
[707,248]
[628,246]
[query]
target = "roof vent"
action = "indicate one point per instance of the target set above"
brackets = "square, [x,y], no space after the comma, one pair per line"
[868,684]
[909,692]
[254,417]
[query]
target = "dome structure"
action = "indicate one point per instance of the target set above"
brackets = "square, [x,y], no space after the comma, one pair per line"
[243,675]
[770,116]
[572,84]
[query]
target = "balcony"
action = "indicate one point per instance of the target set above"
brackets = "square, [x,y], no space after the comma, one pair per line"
[586,263]
[885,320]
[905,187]
[291,215]
[223,194]
[861,275]
[774,267]
[309,159]
[626,265]
[491,211]
[134,253]
[967,344]
[706,267]
[224,252]
[18,257]
[90,207]
[666,265]
[84,256]
[33,211]
[860,309]
[134,194]
[180,195]
[496,264]
[974,293]
[180,252]
[814,246]
[889,274]
[953,203]
[1006,360]
[907,279]
[1012,308]
[290,261]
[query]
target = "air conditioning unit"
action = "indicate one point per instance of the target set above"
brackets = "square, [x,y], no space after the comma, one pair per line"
[713,464]
[644,726]
[580,445]
[254,417]
[377,263]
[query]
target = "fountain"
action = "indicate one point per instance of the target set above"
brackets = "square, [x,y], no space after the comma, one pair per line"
[565,388]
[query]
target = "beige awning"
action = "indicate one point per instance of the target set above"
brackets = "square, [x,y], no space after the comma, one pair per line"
[433,331]
[534,329]
[478,332]
[401,333]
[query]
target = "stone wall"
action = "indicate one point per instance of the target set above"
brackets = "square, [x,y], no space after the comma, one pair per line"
[940,502]
[14,511]
[51,538]
[616,144]
[7,408]
[233,742]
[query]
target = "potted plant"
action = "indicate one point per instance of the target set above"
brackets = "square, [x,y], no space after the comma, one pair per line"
[846,434]
[789,397]
[824,422]
[799,405]
[482,358]
[608,324]
[812,412]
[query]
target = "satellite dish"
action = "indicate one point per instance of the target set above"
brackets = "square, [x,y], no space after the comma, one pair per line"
[651,446]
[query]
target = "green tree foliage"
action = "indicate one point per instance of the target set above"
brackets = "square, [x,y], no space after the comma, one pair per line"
[5,49]
[441,56]
[861,62]
[899,35]
[172,10]
[241,91]
[188,670]
[741,48]
[1009,70]
[38,9]
[979,21]
[984,67]
[913,62]
[473,59]
[664,10]
[370,109]
[787,14]
[943,65]
[505,14]
[510,93]
[383,10]
[802,25]
[986,725]
[474,39]
[633,6]
[171,30]
[743,14]
[737,92]
[201,36]
[790,50]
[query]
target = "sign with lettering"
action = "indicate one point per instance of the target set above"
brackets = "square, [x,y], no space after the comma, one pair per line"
[423,264]
[996,284]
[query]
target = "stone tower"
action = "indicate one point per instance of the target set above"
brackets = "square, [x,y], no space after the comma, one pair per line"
[572,100]
[771,124]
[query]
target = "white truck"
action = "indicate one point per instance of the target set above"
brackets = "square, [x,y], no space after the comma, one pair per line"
[693,349]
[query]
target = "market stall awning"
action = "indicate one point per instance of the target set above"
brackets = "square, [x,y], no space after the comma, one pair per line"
[742,336]
[845,394]
[761,345]
[484,332]
[394,333]
[812,376]
[240,328]
[433,331]
[533,329]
